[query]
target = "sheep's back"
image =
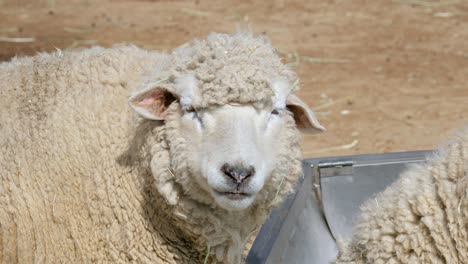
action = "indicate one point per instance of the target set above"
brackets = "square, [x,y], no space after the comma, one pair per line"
[64,121]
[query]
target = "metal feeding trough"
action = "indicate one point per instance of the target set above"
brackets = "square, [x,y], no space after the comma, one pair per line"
[325,206]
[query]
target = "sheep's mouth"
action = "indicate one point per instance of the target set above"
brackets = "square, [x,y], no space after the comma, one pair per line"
[234,195]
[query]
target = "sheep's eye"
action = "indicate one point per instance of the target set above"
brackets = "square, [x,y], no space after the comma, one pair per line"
[277,111]
[190,109]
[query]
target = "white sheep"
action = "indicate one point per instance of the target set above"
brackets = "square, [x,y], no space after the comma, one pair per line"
[84,180]
[421,218]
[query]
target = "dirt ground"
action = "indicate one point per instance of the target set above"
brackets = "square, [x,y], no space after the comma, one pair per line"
[382,75]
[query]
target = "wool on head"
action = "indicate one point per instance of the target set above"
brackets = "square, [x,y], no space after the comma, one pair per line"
[236,68]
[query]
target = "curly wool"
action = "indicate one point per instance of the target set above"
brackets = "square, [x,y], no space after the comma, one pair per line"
[84,181]
[230,68]
[422,218]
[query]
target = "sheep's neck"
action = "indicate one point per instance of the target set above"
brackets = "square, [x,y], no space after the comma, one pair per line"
[213,231]
[188,227]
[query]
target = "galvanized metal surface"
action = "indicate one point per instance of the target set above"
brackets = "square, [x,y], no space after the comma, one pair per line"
[325,206]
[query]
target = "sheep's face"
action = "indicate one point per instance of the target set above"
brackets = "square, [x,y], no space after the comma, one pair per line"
[231,150]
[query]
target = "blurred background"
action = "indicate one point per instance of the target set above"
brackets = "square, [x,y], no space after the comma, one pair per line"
[382,75]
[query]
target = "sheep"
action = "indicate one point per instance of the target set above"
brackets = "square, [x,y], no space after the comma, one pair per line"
[421,218]
[207,147]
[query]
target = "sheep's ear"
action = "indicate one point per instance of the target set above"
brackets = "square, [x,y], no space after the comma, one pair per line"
[152,103]
[305,119]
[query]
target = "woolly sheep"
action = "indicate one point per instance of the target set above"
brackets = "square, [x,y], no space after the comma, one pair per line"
[84,179]
[421,218]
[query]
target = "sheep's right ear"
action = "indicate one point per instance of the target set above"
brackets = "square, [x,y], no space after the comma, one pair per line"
[152,103]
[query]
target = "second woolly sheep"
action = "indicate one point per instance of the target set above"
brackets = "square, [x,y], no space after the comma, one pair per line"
[421,218]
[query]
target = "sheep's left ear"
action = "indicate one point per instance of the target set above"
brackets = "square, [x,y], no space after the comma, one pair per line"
[305,119]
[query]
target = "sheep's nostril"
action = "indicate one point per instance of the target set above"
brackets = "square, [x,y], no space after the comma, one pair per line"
[238,173]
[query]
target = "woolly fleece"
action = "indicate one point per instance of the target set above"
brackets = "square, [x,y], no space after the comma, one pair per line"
[83,180]
[235,68]
[422,218]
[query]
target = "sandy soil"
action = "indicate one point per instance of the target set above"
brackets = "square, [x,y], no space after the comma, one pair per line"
[382,75]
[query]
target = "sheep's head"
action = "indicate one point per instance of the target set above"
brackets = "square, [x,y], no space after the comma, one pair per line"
[230,150]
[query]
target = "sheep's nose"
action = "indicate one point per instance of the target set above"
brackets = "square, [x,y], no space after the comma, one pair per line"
[238,173]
